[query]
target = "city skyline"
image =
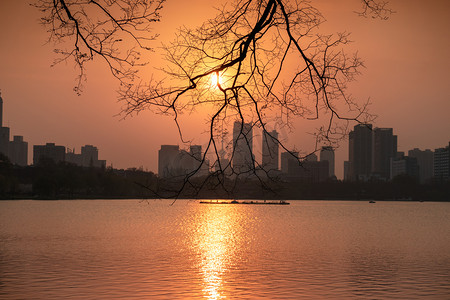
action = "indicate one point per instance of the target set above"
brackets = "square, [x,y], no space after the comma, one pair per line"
[413,103]
[372,153]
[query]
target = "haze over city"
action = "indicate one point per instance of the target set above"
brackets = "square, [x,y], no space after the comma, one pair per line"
[236,158]
[406,77]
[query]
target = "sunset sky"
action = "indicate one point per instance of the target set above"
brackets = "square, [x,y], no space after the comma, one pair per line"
[407,61]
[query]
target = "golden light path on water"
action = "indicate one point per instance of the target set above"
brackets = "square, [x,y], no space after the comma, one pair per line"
[217,239]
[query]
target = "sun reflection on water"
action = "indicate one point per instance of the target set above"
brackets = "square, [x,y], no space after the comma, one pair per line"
[216,240]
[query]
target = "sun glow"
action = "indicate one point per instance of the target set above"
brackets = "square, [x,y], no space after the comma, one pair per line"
[216,80]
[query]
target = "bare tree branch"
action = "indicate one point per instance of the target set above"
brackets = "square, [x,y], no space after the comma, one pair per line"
[112,30]
[270,60]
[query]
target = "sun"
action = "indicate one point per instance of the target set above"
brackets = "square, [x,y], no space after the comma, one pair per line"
[216,80]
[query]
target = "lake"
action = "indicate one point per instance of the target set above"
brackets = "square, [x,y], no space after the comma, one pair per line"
[130,249]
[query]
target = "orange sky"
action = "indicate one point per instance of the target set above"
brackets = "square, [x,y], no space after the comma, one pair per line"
[407,60]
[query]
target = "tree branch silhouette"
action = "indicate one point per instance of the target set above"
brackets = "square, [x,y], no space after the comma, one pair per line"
[115,31]
[274,63]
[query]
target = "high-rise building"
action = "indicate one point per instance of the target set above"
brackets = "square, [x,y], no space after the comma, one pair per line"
[4,132]
[175,163]
[360,152]
[441,159]
[309,170]
[311,157]
[49,151]
[288,159]
[18,151]
[1,110]
[242,147]
[166,159]
[327,154]
[424,162]
[384,149]
[4,140]
[404,165]
[190,163]
[89,156]
[270,155]
[346,171]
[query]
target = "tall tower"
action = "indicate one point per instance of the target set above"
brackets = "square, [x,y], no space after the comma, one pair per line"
[327,154]
[270,151]
[360,152]
[4,132]
[384,149]
[1,110]
[425,163]
[242,147]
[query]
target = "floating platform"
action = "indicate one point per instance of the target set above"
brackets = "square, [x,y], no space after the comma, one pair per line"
[250,202]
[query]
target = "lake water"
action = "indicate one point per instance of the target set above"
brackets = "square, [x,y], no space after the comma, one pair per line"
[106,249]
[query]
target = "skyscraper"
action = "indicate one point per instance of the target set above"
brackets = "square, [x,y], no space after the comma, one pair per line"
[270,148]
[327,154]
[4,132]
[360,152]
[288,160]
[441,170]
[18,151]
[384,149]
[1,110]
[166,159]
[425,163]
[242,147]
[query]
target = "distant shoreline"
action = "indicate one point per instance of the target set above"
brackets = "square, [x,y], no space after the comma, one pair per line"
[221,199]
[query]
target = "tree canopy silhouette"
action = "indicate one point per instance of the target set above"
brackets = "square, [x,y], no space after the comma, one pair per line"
[258,62]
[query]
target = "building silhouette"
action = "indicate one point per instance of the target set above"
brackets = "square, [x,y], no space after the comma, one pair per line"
[270,153]
[4,140]
[309,170]
[327,154]
[18,151]
[87,158]
[311,157]
[347,171]
[173,162]
[48,151]
[370,153]
[288,159]
[224,165]
[384,150]
[166,158]
[404,165]
[4,132]
[243,160]
[441,167]
[360,152]
[425,163]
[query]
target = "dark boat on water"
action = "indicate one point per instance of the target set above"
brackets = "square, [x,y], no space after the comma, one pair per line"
[250,202]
